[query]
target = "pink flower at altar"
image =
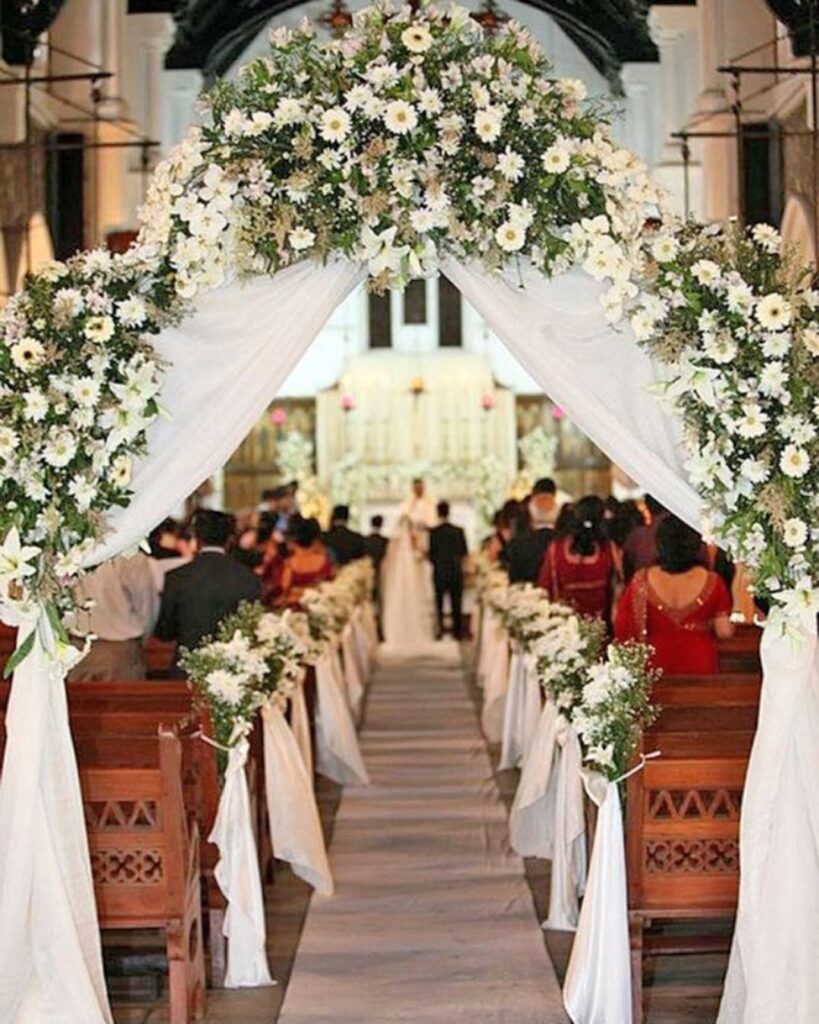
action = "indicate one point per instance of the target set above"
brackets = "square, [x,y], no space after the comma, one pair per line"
[487,402]
[347,403]
[278,416]
[558,413]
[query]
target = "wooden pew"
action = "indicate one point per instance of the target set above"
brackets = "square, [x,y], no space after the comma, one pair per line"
[145,862]
[682,814]
[740,653]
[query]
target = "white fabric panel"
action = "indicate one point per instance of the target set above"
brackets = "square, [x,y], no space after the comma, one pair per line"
[295,827]
[353,681]
[772,974]
[371,630]
[568,875]
[558,331]
[237,874]
[495,675]
[597,989]
[337,752]
[50,959]
[532,818]
[226,363]
[362,646]
[300,727]
[521,713]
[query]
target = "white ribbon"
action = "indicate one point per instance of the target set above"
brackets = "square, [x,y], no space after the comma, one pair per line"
[532,819]
[300,725]
[568,876]
[351,673]
[237,874]
[523,708]
[337,752]
[495,677]
[295,827]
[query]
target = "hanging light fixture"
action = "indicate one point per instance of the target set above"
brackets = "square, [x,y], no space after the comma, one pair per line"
[490,17]
[338,19]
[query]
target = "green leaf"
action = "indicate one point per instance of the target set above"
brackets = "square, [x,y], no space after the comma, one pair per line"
[19,655]
[56,622]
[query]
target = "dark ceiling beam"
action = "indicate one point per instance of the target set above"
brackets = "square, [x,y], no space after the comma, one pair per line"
[213,34]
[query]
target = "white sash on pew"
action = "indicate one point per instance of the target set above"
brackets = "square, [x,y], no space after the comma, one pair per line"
[351,671]
[597,989]
[362,645]
[370,627]
[337,752]
[495,675]
[532,819]
[300,726]
[521,713]
[237,874]
[295,827]
[568,878]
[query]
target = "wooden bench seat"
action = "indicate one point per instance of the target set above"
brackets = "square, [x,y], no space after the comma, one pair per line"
[682,813]
[145,861]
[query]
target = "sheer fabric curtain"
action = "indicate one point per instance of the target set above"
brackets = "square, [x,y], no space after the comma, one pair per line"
[225,363]
[601,377]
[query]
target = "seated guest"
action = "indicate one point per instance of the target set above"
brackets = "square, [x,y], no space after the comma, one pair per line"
[308,563]
[344,544]
[579,568]
[199,595]
[640,546]
[497,547]
[678,606]
[121,602]
[447,551]
[526,549]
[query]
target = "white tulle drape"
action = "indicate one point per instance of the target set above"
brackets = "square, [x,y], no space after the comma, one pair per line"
[225,364]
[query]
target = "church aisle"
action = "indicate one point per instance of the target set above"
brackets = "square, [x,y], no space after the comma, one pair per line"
[432,920]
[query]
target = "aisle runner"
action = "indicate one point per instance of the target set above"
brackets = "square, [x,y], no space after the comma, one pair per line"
[432,921]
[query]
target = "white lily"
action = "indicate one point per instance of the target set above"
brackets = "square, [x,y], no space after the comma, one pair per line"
[380,252]
[16,558]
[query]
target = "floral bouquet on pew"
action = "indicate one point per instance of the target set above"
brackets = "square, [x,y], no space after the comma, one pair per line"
[615,705]
[563,652]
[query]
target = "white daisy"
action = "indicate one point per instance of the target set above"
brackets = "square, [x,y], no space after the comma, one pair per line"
[334,125]
[430,102]
[721,347]
[120,471]
[753,421]
[773,312]
[665,248]
[27,353]
[85,391]
[400,117]
[511,164]
[132,311]
[795,533]
[794,461]
[8,442]
[706,272]
[488,123]
[301,238]
[417,38]
[83,491]
[36,405]
[557,157]
[773,379]
[99,328]
[510,237]
[60,449]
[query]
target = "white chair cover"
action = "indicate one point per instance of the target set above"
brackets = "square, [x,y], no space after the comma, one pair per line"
[568,876]
[237,874]
[597,989]
[338,755]
[295,827]
[495,679]
[521,713]
[532,818]
[300,727]
[351,672]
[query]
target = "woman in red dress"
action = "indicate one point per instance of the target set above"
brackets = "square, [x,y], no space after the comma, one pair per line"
[579,567]
[678,606]
[308,563]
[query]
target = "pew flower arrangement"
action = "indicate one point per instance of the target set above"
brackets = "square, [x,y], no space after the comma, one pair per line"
[615,703]
[562,655]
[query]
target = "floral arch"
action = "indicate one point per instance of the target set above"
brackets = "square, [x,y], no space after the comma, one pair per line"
[412,145]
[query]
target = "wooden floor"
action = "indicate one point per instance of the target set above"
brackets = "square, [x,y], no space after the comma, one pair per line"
[681,990]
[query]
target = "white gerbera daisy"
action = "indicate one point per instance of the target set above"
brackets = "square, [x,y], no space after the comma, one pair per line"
[753,421]
[36,405]
[60,449]
[488,123]
[510,236]
[511,164]
[417,38]
[794,461]
[85,391]
[120,471]
[27,353]
[400,117]
[132,311]
[706,272]
[773,312]
[99,328]
[665,248]
[8,442]
[557,157]
[334,125]
[795,533]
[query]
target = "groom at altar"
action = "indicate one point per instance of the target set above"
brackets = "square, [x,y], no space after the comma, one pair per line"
[447,551]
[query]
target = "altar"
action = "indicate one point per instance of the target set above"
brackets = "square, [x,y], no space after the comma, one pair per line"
[393,416]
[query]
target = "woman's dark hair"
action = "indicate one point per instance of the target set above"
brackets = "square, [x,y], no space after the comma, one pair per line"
[565,518]
[267,526]
[168,527]
[678,545]
[626,519]
[305,532]
[586,529]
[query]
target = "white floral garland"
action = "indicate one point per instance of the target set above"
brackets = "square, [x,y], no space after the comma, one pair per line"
[414,137]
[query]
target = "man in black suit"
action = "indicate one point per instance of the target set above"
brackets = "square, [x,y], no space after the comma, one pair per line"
[345,544]
[199,595]
[526,549]
[447,551]
[375,544]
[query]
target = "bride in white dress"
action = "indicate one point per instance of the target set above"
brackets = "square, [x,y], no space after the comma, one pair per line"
[406,590]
